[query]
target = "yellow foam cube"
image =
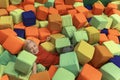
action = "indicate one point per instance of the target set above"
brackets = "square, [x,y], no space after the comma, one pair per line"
[6,22]
[93,35]
[4,3]
[48,46]
[84,52]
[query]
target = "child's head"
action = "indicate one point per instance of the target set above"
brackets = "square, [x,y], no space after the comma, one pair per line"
[31,46]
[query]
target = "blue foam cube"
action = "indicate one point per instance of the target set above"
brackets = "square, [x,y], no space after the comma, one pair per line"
[29,18]
[115,60]
[105,31]
[88,7]
[20,32]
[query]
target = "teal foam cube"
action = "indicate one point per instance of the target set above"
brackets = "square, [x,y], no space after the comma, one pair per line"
[17,15]
[9,70]
[69,31]
[2,68]
[70,62]
[110,72]
[6,57]
[105,2]
[99,22]
[79,35]
[49,3]
[61,43]
[40,68]
[24,62]
[63,74]
[67,20]
[1,49]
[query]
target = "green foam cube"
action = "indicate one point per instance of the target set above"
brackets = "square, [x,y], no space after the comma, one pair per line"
[116,20]
[40,68]
[15,1]
[63,74]
[112,47]
[43,23]
[61,43]
[37,4]
[6,57]
[24,77]
[79,35]
[110,72]
[77,4]
[17,15]
[70,62]
[25,59]
[67,20]
[9,70]
[49,3]
[2,68]
[99,22]
[1,49]
[69,31]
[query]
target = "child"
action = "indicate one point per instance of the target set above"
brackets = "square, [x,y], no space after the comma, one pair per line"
[43,57]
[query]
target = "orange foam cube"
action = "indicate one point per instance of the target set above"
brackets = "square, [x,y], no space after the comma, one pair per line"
[19,26]
[113,32]
[42,13]
[13,44]
[29,7]
[5,77]
[69,7]
[83,10]
[53,10]
[103,38]
[3,12]
[109,7]
[114,38]
[59,2]
[3,37]
[44,33]
[89,73]
[79,20]
[69,2]
[52,71]
[9,32]
[114,11]
[31,32]
[40,76]
[29,1]
[98,8]
[72,12]
[101,56]
[36,40]
[90,14]
[11,8]
[61,9]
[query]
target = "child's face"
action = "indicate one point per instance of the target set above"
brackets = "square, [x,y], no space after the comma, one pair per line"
[32,47]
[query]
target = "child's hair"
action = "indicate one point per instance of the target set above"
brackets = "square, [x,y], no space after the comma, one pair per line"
[26,44]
